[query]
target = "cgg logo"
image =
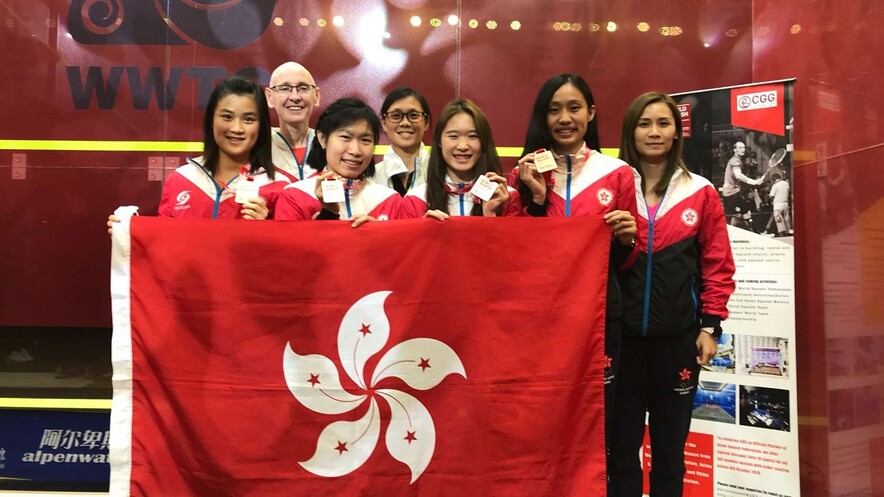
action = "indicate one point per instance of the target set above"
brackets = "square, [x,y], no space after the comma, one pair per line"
[222,24]
[761,100]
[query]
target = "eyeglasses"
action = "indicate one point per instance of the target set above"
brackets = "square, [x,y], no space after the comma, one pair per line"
[302,89]
[396,116]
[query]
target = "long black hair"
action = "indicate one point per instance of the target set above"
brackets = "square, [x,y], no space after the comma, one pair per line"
[261,155]
[538,135]
[342,113]
[437,169]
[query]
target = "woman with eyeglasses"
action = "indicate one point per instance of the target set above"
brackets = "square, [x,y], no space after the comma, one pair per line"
[405,117]
[293,94]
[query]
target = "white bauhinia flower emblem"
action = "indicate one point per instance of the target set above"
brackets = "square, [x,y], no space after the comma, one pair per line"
[422,363]
[605,196]
[689,217]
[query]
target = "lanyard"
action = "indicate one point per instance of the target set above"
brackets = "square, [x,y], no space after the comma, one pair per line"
[347,198]
[461,190]
[568,188]
[219,189]
[243,174]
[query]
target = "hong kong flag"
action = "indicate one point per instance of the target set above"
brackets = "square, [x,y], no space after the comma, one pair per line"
[403,358]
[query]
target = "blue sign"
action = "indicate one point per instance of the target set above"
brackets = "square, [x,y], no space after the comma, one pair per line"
[39,448]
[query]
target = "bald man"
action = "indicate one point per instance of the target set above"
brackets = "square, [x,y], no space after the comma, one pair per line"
[293,94]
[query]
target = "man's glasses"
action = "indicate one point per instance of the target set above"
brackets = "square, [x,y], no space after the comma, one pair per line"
[396,116]
[302,89]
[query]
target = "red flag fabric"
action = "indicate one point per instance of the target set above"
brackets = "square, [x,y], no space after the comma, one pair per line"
[403,358]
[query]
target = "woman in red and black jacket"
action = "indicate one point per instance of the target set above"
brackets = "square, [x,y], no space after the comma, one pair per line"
[674,297]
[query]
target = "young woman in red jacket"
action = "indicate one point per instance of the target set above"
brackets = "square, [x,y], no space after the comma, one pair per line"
[463,157]
[584,182]
[236,157]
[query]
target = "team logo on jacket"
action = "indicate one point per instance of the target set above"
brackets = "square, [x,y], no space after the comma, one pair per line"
[605,196]
[609,369]
[182,200]
[684,385]
[689,217]
[314,380]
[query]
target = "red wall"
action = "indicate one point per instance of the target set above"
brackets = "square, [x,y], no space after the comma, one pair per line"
[55,263]
[835,50]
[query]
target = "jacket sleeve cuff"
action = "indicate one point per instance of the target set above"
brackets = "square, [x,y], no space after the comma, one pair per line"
[326,214]
[624,256]
[536,210]
[619,252]
[710,321]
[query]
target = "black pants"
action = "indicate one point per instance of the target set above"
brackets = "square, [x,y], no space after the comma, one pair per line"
[612,359]
[657,375]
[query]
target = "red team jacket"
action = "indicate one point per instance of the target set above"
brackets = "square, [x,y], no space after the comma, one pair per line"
[298,201]
[590,183]
[191,192]
[683,276]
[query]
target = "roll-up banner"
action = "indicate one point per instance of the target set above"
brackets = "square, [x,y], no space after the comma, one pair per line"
[744,433]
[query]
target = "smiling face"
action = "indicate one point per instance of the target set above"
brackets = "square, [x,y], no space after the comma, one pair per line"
[654,133]
[293,107]
[405,135]
[460,146]
[567,118]
[348,149]
[235,127]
